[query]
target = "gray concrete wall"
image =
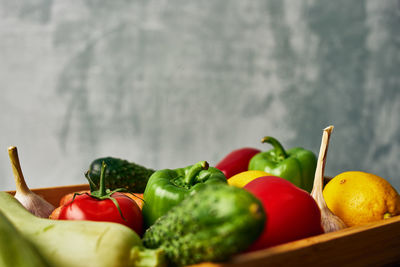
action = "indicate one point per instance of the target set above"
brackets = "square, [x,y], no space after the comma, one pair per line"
[168,83]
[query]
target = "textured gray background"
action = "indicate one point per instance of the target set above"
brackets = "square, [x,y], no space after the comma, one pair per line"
[168,83]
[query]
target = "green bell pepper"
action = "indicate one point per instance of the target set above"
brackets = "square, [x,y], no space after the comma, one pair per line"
[167,188]
[296,165]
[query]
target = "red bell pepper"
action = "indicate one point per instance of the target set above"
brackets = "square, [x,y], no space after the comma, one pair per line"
[292,213]
[237,161]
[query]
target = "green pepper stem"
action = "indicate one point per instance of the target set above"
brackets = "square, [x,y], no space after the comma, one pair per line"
[194,170]
[280,151]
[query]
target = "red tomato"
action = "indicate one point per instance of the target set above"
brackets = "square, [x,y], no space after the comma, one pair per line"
[292,212]
[85,207]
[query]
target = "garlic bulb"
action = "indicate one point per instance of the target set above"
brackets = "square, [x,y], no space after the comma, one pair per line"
[31,201]
[330,222]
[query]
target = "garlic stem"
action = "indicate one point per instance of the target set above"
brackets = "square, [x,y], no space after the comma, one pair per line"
[18,175]
[330,222]
[31,201]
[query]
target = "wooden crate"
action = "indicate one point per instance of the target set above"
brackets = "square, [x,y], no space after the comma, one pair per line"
[374,244]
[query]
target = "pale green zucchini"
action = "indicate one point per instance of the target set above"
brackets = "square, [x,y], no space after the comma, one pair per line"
[80,243]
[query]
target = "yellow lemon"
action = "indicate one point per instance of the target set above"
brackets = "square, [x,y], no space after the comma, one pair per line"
[360,197]
[243,178]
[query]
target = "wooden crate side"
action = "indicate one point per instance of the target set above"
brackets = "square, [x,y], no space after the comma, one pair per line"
[54,194]
[374,244]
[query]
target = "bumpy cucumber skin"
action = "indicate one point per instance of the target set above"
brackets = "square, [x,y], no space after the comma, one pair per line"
[121,173]
[212,225]
[15,249]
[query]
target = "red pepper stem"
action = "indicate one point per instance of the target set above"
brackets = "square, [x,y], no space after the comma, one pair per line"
[194,170]
[102,189]
[280,151]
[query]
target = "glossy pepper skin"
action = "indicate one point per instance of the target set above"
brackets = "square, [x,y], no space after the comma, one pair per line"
[292,213]
[237,161]
[296,165]
[167,188]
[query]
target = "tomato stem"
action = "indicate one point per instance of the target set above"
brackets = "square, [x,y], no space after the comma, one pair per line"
[104,193]
[102,189]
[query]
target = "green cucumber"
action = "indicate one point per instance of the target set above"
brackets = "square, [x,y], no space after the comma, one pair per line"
[80,243]
[120,173]
[211,225]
